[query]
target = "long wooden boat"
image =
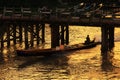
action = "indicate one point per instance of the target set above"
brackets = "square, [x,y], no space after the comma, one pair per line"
[50,51]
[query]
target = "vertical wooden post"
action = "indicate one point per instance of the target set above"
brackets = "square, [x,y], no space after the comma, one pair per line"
[111,44]
[104,46]
[111,38]
[20,33]
[62,34]
[8,36]
[37,33]
[106,60]
[14,34]
[54,35]
[2,42]
[43,33]
[32,36]
[67,34]
[26,36]
[1,35]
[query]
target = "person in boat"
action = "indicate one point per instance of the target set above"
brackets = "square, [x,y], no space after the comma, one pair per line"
[87,41]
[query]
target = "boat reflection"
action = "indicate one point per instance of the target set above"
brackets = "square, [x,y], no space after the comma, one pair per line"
[44,60]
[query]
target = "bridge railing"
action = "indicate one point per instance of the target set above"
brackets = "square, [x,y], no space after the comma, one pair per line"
[31,12]
[43,13]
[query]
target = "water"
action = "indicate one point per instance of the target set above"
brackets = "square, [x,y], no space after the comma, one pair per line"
[76,65]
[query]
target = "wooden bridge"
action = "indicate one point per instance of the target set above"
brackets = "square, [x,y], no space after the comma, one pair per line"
[27,24]
[29,17]
[16,21]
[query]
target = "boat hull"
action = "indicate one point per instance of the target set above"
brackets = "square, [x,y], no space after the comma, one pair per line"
[51,51]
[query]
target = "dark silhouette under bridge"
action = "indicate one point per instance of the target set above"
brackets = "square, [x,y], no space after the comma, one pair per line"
[16,21]
[27,18]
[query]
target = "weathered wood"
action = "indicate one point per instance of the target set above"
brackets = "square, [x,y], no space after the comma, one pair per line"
[8,35]
[37,33]
[32,35]
[52,51]
[62,35]
[107,45]
[54,35]
[111,38]
[104,45]
[2,42]
[14,34]
[26,36]
[20,33]
[43,33]
[67,34]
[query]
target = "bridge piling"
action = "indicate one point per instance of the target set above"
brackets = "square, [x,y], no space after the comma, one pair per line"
[104,46]
[31,35]
[43,33]
[107,44]
[2,42]
[14,33]
[26,36]
[37,33]
[111,38]
[54,35]
[8,36]
[62,35]
[20,33]
[67,34]
[57,36]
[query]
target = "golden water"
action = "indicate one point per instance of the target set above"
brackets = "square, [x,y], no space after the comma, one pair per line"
[77,65]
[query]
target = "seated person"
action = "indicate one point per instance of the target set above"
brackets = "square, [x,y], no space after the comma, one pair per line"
[87,41]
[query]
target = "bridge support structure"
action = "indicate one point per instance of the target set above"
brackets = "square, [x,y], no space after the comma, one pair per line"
[35,35]
[107,44]
[64,34]
[8,35]
[55,35]
[59,34]
[16,31]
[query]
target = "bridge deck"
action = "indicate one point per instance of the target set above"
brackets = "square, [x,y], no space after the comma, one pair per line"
[48,16]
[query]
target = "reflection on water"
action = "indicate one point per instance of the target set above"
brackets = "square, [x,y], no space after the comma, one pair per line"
[107,61]
[77,65]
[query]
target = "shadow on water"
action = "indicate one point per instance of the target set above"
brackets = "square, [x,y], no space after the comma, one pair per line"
[55,60]
[108,67]
[29,61]
[1,58]
[107,61]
